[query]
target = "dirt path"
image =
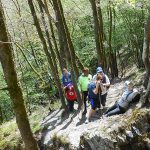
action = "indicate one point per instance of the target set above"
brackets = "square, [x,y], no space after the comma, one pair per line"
[72,128]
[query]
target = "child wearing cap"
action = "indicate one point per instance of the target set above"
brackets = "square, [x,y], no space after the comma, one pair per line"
[106,84]
[94,88]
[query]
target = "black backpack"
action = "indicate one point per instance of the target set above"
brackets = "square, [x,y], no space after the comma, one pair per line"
[136,98]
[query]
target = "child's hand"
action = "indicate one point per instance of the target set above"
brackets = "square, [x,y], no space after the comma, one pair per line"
[97,84]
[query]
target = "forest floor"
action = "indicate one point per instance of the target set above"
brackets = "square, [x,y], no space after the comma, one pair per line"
[72,128]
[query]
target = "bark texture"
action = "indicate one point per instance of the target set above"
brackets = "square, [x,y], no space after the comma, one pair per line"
[6,58]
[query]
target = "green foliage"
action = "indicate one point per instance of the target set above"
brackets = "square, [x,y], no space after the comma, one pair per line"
[84,42]
[60,141]
[127,39]
[127,28]
[5,102]
[9,136]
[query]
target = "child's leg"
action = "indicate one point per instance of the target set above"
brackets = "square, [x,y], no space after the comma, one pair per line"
[93,109]
[111,108]
[91,113]
[114,112]
[71,105]
[85,94]
[103,99]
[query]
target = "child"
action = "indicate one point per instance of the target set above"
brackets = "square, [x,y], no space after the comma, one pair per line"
[93,90]
[106,84]
[84,80]
[122,104]
[70,96]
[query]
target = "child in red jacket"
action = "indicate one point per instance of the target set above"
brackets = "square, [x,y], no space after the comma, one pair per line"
[70,96]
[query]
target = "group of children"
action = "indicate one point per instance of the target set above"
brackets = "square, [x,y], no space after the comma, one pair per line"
[95,91]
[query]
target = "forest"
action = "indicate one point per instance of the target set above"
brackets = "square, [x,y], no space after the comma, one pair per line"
[39,38]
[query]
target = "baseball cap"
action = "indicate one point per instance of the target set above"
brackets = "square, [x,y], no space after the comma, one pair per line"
[99,69]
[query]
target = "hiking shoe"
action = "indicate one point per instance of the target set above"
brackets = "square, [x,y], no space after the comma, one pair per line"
[72,111]
[87,121]
[103,107]
[104,116]
[84,113]
[80,116]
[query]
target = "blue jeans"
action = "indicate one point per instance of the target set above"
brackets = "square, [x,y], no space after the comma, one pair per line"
[114,110]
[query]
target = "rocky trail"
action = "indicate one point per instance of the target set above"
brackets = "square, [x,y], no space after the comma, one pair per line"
[99,134]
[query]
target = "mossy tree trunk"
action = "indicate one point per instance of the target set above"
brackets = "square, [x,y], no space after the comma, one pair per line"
[146,57]
[65,35]
[112,53]
[99,34]
[1,115]
[48,54]
[61,57]
[6,58]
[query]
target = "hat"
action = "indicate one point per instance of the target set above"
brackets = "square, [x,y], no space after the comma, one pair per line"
[128,83]
[99,69]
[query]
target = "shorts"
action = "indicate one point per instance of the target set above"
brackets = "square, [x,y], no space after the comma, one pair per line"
[94,103]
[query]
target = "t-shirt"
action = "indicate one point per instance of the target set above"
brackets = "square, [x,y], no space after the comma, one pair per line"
[105,80]
[66,79]
[91,87]
[70,94]
[84,81]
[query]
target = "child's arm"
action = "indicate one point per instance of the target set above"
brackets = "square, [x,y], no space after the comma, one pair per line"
[96,90]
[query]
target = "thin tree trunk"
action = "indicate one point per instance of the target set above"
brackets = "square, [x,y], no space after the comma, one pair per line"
[99,33]
[62,60]
[56,77]
[1,115]
[63,32]
[6,58]
[146,54]
[71,47]
[112,54]
[96,30]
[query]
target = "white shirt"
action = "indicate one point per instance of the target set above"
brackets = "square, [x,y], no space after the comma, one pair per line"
[105,90]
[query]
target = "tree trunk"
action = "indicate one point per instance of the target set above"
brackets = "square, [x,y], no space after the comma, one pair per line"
[6,58]
[1,115]
[96,30]
[61,59]
[48,55]
[112,53]
[63,32]
[146,56]
[99,34]
[71,47]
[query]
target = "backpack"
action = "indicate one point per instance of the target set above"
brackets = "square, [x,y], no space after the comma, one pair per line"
[70,94]
[136,98]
